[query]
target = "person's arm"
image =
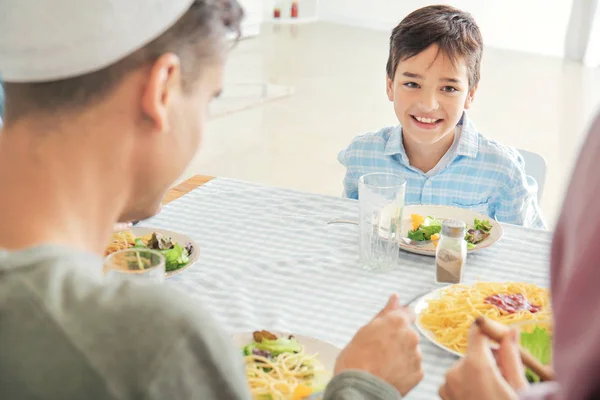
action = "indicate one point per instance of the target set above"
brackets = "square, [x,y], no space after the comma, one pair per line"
[202,363]
[482,375]
[205,368]
[382,361]
[350,186]
[517,203]
[359,385]
[540,391]
[350,180]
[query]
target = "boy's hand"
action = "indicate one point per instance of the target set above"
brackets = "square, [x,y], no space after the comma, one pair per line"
[387,348]
[477,376]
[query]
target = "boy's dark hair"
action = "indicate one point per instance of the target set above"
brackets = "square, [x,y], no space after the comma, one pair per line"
[454,32]
[196,36]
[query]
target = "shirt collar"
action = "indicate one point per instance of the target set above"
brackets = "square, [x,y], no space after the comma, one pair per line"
[394,144]
[468,143]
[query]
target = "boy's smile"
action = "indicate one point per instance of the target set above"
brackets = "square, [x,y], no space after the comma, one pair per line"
[430,93]
[426,122]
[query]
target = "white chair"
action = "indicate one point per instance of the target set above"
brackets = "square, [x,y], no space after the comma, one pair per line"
[535,166]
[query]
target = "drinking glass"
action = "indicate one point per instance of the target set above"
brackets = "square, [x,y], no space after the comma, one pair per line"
[381,202]
[141,265]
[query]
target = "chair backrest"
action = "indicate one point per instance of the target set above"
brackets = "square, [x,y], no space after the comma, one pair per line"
[535,166]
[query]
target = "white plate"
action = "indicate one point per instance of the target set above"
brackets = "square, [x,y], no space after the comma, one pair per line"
[328,353]
[446,212]
[180,238]
[418,307]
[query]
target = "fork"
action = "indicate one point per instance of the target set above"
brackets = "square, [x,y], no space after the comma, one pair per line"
[406,240]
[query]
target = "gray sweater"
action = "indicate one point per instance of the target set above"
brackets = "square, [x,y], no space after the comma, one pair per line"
[66,335]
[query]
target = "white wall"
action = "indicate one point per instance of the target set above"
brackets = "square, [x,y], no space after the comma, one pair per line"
[508,24]
[268,6]
[591,55]
[253,17]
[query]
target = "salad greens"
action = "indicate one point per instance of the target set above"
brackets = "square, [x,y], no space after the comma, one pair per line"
[539,344]
[425,228]
[270,346]
[485,226]
[273,347]
[429,227]
[175,255]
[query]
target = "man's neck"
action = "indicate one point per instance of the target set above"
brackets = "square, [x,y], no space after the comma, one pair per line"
[426,157]
[55,191]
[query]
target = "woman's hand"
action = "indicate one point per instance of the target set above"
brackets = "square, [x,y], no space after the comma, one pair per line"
[480,375]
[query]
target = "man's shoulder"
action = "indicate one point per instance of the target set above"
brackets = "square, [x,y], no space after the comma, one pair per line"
[95,312]
[117,333]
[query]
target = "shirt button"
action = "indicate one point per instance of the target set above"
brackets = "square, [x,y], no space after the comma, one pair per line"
[427,183]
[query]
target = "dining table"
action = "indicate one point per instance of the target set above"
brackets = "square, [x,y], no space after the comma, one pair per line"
[269,260]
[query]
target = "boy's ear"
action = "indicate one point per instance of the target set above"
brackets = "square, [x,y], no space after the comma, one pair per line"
[389,87]
[470,97]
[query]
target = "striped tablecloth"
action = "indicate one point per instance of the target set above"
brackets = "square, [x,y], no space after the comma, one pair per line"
[268,260]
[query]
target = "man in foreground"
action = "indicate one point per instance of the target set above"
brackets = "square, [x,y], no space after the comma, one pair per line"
[105,106]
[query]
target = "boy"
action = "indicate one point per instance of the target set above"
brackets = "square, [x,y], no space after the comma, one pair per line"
[432,76]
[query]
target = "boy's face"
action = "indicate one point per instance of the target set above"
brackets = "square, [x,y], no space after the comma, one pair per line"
[429,95]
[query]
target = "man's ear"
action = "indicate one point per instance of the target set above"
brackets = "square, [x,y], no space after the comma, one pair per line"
[163,82]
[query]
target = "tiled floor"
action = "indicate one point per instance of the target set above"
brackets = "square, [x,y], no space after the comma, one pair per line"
[337,73]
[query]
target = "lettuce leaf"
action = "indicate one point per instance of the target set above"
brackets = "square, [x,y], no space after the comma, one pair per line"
[278,346]
[539,344]
[175,258]
[429,227]
[417,235]
[484,225]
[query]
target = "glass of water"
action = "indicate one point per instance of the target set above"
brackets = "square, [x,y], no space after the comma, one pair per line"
[381,202]
[137,264]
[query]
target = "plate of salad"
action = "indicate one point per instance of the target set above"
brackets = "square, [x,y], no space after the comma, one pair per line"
[422,224]
[179,250]
[285,365]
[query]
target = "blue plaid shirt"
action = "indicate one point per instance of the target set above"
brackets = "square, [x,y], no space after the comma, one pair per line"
[476,173]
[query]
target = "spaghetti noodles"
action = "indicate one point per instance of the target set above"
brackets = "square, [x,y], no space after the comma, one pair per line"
[288,375]
[450,317]
[123,240]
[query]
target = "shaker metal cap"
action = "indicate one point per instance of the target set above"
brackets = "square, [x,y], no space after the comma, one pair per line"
[454,228]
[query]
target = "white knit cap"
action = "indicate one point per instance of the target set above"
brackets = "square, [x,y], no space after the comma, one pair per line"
[45,40]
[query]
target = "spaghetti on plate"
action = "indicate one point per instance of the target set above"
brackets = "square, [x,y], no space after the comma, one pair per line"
[450,317]
[123,240]
[176,255]
[278,368]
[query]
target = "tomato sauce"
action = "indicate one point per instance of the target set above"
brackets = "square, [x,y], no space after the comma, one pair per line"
[512,303]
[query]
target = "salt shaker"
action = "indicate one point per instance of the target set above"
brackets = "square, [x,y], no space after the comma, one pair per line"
[451,252]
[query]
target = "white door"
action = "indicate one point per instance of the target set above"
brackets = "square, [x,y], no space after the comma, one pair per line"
[253,16]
